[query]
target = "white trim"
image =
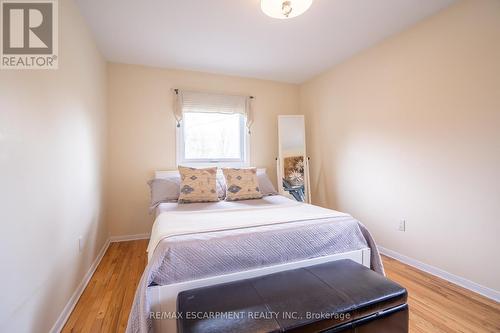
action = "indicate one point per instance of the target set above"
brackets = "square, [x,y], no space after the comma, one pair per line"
[68,309]
[458,280]
[125,238]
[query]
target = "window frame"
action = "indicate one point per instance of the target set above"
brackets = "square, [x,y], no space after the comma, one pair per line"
[243,161]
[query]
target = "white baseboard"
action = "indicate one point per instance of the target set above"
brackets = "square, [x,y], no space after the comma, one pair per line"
[458,280]
[114,239]
[63,317]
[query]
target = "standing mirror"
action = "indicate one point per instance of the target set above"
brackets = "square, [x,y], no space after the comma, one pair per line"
[293,164]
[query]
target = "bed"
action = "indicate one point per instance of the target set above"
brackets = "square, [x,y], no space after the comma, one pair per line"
[201,244]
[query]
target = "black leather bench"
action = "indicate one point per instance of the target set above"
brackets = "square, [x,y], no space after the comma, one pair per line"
[340,296]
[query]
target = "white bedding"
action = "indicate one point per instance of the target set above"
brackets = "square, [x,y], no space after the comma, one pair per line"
[180,220]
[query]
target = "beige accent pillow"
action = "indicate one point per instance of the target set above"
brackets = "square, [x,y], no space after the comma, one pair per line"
[198,185]
[241,184]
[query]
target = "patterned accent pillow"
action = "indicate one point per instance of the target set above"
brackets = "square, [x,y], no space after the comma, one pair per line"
[198,185]
[241,184]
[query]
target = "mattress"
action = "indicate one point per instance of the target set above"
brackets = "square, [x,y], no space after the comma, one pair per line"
[272,200]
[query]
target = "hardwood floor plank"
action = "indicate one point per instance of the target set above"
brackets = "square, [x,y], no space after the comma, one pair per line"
[436,305]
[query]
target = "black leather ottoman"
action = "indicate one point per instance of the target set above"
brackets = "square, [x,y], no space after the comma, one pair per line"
[340,296]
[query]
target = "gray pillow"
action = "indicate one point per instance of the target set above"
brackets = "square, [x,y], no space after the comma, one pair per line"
[265,185]
[164,190]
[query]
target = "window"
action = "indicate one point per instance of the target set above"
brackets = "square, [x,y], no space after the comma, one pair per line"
[212,138]
[212,129]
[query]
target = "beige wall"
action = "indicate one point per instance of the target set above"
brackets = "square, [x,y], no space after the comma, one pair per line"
[52,141]
[408,129]
[142,131]
[411,129]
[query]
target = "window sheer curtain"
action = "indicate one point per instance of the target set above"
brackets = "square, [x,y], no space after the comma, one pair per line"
[202,102]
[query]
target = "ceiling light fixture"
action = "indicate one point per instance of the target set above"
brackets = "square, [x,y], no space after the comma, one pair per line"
[284,9]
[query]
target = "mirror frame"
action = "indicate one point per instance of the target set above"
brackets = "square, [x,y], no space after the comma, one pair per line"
[280,159]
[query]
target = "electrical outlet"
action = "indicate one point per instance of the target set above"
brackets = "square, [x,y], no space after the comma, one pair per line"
[80,244]
[402,225]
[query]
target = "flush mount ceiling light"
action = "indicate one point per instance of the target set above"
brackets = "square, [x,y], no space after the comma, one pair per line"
[284,9]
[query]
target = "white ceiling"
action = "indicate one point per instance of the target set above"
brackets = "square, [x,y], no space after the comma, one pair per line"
[235,37]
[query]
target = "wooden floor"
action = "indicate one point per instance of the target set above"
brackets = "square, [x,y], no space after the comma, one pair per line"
[435,305]
[105,304]
[440,306]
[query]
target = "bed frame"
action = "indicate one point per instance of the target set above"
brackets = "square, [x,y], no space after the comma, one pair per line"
[164,298]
